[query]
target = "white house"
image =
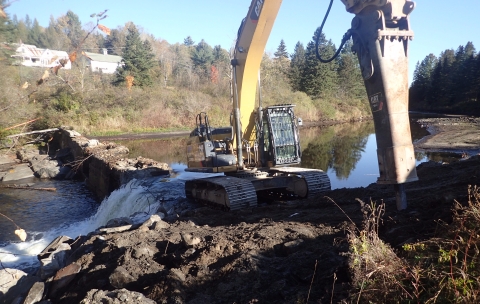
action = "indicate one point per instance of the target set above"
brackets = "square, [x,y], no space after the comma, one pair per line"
[30,55]
[103,62]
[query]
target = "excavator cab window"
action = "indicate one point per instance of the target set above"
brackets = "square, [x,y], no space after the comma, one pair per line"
[281,143]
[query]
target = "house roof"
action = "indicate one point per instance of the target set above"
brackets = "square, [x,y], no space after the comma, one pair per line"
[103,58]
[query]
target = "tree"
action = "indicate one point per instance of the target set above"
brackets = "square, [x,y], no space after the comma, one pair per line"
[36,35]
[21,30]
[281,50]
[297,65]
[55,37]
[115,42]
[137,59]
[422,81]
[6,33]
[318,79]
[442,77]
[202,58]
[350,81]
[188,41]
[73,29]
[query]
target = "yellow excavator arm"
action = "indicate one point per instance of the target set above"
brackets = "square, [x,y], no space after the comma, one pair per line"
[381,32]
[249,49]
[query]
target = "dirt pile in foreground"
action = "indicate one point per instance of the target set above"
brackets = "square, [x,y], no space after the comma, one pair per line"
[277,253]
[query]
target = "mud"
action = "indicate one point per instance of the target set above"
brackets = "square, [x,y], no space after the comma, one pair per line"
[281,252]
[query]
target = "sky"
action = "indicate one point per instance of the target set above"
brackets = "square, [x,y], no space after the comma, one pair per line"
[438,24]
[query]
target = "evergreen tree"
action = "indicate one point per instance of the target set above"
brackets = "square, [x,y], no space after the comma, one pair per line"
[442,77]
[463,72]
[137,59]
[36,35]
[422,81]
[6,34]
[202,57]
[281,51]
[74,30]
[188,41]
[297,65]
[21,31]
[350,81]
[319,80]
[115,42]
[220,56]
[55,37]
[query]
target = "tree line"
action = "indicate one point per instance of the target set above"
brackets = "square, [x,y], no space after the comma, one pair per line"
[449,83]
[179,78]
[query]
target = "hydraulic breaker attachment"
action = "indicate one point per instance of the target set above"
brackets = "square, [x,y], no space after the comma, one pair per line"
[381,33]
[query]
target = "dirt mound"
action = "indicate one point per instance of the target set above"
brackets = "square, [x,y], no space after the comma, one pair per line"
[283,252]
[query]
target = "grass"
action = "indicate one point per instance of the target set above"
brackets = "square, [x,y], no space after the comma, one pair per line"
[443,269]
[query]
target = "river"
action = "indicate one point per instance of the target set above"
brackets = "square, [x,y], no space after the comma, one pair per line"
[346,152]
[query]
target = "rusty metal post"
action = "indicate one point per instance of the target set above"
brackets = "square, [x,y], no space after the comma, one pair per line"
[380,38]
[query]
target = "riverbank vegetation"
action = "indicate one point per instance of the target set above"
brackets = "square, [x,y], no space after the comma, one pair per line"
[161,86]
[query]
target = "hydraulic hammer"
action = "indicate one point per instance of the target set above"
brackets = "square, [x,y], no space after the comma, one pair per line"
[381,33]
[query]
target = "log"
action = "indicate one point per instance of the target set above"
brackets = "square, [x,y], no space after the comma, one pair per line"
[23,123]
[33,132]
[27,188]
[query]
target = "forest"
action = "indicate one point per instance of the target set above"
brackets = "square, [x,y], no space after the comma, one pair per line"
[449,83]
[161,86]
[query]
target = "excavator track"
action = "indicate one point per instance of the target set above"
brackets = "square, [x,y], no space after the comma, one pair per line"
[226,192]
[317,181]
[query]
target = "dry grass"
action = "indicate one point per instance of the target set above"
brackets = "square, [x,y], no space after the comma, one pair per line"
[443,269]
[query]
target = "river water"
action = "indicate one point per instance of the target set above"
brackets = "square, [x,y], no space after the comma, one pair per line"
[346,152]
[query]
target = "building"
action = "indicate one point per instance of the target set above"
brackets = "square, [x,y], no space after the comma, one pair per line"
[104,63]
[30,55]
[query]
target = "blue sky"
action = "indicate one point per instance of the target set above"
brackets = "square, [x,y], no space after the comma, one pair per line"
[438,24]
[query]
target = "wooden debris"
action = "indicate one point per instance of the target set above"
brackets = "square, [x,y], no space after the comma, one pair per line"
[27,188]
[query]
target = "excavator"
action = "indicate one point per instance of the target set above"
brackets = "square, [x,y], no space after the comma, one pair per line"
[258,155]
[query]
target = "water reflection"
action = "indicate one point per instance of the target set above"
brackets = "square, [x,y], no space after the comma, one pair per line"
[347,152]
[338,148]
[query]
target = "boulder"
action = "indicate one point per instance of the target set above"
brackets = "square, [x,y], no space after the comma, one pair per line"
[116,296]
[54,256]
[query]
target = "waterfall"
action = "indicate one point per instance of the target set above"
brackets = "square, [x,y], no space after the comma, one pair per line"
[135,196]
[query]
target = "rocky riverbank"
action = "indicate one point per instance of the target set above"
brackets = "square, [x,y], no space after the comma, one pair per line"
[283,252]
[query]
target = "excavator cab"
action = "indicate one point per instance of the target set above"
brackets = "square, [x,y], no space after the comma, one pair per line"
[209,149]
[279,141]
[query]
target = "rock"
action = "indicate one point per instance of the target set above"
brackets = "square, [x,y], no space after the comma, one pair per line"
[63,277]
[91,143]
[43,167]
[14,285]
[178,274]
[143,251]
[18,172]
[35,294]
[160,225]
[72,133]
[117,222]
[54,256]
[9,278]
[152,220]
[120,278]
[189,240]
[96,296]
[293,244]
[288,247]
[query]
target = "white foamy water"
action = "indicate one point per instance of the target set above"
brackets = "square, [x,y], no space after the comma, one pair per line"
[138,196]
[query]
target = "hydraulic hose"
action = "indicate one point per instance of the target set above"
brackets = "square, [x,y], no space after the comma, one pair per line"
[345,38]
